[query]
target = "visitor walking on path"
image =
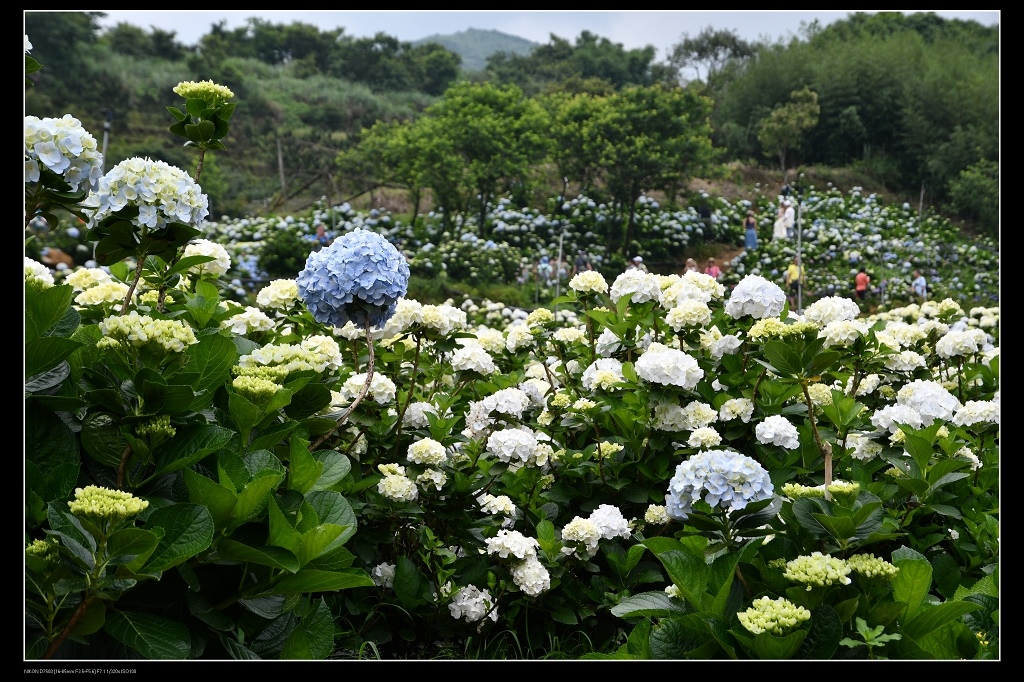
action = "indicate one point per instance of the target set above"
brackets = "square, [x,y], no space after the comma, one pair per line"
[784,223]
[795,279]
[750,227]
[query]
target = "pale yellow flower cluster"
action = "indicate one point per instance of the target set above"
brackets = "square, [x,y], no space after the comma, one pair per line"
[539,317]
[656,513]
[140,330]
[817,570]
[255,389]
[48,550]
[105,292]
[589,281]
[870,566]
[213,94]
[104,503]
[427,451]
[159,427]
[775,616]
[86,278]
[795,490]
[280,294]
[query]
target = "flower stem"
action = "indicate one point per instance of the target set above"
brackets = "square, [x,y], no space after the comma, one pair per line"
[359,398]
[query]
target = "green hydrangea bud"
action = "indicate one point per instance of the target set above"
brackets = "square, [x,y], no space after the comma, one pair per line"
[777,616]
[105,504]
[818,570]
[870,566]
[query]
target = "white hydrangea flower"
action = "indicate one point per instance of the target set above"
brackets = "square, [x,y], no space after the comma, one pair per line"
[864,449]
[603,373]
[396,485]
[637,285]
[777,430]
[472,357]
[737,408]
[843,333]
[106,292]
[415,416]
[496,504]
[757,297]
[890,417]
[704,437]
[904,361]
[34,270]
[250,320]
[512,543]
[688,313]
[215,268]
[663,365]
[83,278]
[610,522]
[830,309]
[929,399]
[383,575]
[961,343]
[161,192]
[382,389]
[63,146]
[443,319]
[582,533]
[280,294]
[473,604]
[531,577]
[589,281]
[427,451]
[977,412]
[517,337]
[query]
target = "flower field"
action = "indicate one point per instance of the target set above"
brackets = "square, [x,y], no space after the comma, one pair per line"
[653,466]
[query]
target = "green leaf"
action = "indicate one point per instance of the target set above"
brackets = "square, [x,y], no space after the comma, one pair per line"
[269,437]
[314,636]
[268,555]
[215,497]
[408,584]
[912,583]
[649,605]
[91,620]
[213,358]
[336,466]
[313,580]
[252,498]
[190,445]
[46,353]
[44,308]
[155,637]
[282,534]
[243,413]
[688,571]
[930,618]
[778,647]
[318,541]
[303,468]
[237,651]
[823,637]
[784,358]
[187,531]
[839,527]
[131,544]
[307,401]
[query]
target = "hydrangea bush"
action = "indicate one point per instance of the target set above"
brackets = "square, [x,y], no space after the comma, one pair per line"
[203,479]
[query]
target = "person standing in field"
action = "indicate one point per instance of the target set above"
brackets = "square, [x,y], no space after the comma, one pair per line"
[712,269]
[795,279]
[919,287]
[860,285]
[750,230]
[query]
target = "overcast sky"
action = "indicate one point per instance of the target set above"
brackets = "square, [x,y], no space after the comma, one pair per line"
[633,29]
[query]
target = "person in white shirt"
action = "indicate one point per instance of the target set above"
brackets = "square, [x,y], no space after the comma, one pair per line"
[920,286]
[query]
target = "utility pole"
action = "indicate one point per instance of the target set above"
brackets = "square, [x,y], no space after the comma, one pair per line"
[108,116]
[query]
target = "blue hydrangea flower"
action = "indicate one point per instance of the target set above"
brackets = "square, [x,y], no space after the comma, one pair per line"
[358,278]
[722,477]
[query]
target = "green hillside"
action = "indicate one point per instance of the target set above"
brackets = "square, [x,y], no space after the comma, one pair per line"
[475,45]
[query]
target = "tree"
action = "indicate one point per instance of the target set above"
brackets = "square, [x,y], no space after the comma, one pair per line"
[710,50]
[782,130]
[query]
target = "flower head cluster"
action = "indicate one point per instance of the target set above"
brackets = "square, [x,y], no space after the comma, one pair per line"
[442,319]
[107,292]
[513,445]
[396,485]
[603,373]
[656,513]
[250,320]
[663,365]
[383,575]
[863,448]
[38,274]
[427,451]
[471,357]
[415,416]
[473,604]
[382,389]
[63,146]
[843,333]
[86,278]
[688,313]
[977,412]
[220,264]
[512,543]
[777,616]
[140,330]
[48,550]
[636,285]
[930,399]
[774,328]
[721,477]
[589,281]
[757,297]
[256,389]
[870,566]
[496,504]
[830,309]
[517,337]
[904,361]
[213,94]
[359,277]
[103,503]
[737,408]
[162,193]
[318,353]
[960,343]
[777,430]
[280,294]
[704,437]
[817,570]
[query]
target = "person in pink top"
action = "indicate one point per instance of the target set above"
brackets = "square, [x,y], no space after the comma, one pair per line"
[712,269]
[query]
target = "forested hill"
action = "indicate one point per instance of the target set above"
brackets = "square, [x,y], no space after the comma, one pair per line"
[909,101]
[475,45]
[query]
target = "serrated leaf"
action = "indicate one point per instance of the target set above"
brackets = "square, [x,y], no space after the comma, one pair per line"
[333,507]
[778,647]
[932,617]
[46,353]
[336,467]
[823,637]
[647,604]
[91,620]
[130,544]
[187,531]
[267,555]
[155,637]
[252,498]
[912,583]
[308,400]
[313,580]
[190,444]
[215,497]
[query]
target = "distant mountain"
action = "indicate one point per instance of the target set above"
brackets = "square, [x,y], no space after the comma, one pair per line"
[476,45]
